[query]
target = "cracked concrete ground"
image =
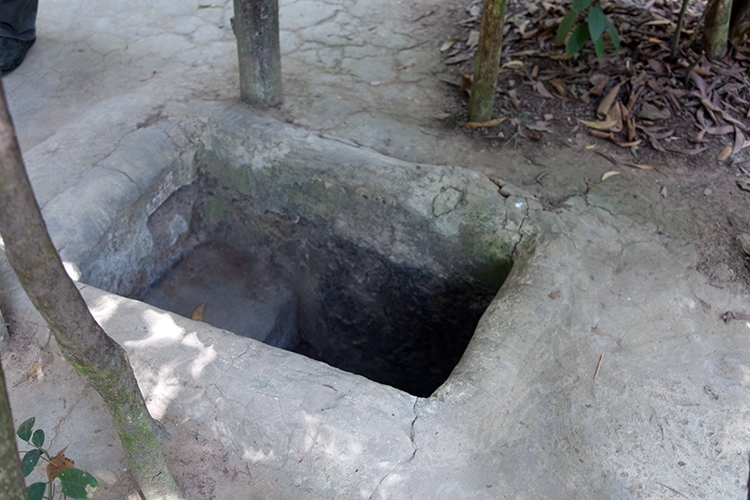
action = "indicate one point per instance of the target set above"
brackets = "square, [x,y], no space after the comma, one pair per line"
[110,107]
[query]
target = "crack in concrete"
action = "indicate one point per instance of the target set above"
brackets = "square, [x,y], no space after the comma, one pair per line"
[585,197]
[117,170]
[520,229]
[412,439]
[235,358]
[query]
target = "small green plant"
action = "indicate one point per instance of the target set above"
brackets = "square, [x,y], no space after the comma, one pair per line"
[591,29]
[74,483]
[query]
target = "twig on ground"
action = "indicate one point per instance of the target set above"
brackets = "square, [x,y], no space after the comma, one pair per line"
[598,367]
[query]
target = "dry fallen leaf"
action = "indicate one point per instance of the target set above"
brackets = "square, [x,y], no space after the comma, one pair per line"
[657,132]
[525,53]
[197,314]
[539,126]
[611,173]
[635,94]
[603,125]
[730,315]
[514,99]
[459,58]
[643,166]
[448,44]
[539,86]
[630,127]
[487,124]
[629,144]
[601,134]
[599,81]
[554,295]
[33,372]
[465,85]
[513,64]
[59,462]
[658,22]
[624,111]
[560,56]
[656,145]
[473,39]
[724,129]
[744,184]
[615,114]
[521,26]
[731,87]
[652,112]
[559,85]
[657,66]
[724,154]
[609,100]
[701,71]
[739,140]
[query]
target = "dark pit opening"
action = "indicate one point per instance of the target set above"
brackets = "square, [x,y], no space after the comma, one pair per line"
[281,278]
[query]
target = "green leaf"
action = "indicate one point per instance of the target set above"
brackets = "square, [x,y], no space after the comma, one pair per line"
[579,37]
[599,47]
[30,460]
[597,21]
[38,438]
[24,430]
[614,35]
[581,5]
[74,481]
[36,491]
[565,26]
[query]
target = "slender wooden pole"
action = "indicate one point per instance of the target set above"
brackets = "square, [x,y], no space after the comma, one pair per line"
[487,64]
[256,27]
[12,486]
[82,341]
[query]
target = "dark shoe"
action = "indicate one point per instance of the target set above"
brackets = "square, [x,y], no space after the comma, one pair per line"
[12,52]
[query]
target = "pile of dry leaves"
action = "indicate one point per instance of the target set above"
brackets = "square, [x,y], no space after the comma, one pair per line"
[639,97]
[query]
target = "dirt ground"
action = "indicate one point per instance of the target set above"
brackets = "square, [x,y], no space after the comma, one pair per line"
[683,169]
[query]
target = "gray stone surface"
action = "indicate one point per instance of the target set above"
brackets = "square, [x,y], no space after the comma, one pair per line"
[113,103]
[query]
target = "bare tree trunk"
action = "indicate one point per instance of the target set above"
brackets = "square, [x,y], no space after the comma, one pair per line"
[83,342]
[256,27]
[483,87]
[716,29]
[12,486]
[740,26]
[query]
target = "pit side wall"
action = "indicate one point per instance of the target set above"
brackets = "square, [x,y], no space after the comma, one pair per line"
[522,415]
